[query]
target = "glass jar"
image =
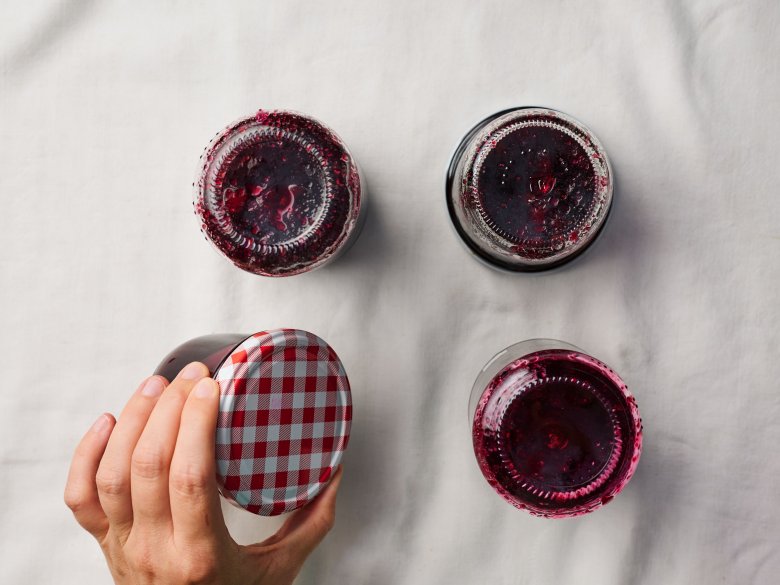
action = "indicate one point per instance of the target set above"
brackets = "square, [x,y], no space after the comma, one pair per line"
[285,412]
[529,189]
[278,194]
[555,431]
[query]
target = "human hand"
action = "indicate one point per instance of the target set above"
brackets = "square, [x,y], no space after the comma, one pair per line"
[145,487]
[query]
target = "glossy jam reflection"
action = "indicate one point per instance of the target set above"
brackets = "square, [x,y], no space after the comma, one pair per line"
[556,432]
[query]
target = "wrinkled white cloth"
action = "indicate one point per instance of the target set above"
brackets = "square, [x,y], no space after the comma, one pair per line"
[104,110]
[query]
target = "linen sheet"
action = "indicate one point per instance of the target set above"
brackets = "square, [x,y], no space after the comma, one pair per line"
[105,108]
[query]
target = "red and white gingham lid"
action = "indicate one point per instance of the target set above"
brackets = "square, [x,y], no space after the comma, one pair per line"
[284,419]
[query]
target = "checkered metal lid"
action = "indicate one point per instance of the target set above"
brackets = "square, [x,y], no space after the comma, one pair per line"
[284,419]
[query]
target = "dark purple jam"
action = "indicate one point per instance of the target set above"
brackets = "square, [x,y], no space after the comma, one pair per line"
[559,434]
[556,432]
[278,194]
[529,189]
[273,190]
[535,187]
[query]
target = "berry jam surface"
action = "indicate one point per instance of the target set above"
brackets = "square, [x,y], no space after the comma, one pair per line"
[535,189]
[535,186]
[274,191]
[557,433]
[278,193]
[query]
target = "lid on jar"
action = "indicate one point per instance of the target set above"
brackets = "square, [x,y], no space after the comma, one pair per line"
[284,420]
[529,189]
[278,193]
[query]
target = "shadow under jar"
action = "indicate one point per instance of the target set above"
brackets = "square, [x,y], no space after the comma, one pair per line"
[285,412]
[555,431]
[278,194]
[529,189]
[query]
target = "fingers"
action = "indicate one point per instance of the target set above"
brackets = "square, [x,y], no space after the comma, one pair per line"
[113,474]
[194,498]
[81,494]
[151,460]
[305,529]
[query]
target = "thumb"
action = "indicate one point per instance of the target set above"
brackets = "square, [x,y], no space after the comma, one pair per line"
[306,528]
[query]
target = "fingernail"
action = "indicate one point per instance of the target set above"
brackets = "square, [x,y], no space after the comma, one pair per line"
[153,387]
[193,371]
[204,388]
[101,424]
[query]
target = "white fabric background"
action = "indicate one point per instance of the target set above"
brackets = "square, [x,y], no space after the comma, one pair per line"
[104,110]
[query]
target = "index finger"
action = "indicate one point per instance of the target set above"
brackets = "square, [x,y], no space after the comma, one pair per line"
[194,497]
[81,494]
